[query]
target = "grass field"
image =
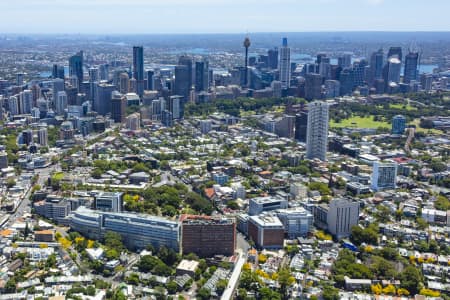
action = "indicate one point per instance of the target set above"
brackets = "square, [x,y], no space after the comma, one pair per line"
[400,106]
[360,122]
[424,130]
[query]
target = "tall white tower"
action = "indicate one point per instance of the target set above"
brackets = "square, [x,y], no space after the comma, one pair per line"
[285,65]
[317,130]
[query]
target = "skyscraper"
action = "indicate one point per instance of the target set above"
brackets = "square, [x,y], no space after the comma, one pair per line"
[43,135]
[58,86]
[393,70]
[395,51]
[411,61]
[345,60]
[76,67]
[118,107]
[201,76]
[102,100]
[313,86]
[124,83]
[185,60]
[301,125]
[317,130]
[25,101]
[138,68]
[376,66]
[273,58]
[150,74]
[93,79]
[182,79]
[61,102]
[285,65]
[246,46]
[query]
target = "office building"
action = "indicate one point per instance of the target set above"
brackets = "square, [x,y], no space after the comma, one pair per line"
[313,86]
[376,66]
[384,176]
[201,76]
[393,70]
[150,74]
[317,130]
[185,60]
[118,107]
[110,202]
[138,69]
[395,52]
[58,72]
[137,230]
[398,124]
[124,83]
[297,221]
[273,59]
[93,80]
[207,236]
[285,65]
[102,101]
[43,136]
[76,67]
[266,231]
[182,85]
[345,60]
[411,62]
[259,205]
[61,102]
[58,86]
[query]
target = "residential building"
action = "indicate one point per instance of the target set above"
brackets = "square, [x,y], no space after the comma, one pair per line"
[384,176]
[208,236]
[342,215]
[317,130]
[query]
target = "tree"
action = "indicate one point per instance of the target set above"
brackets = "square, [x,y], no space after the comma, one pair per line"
[410,279]
[204,294]
[330,293]
[113,240]
[221,286]
[442,203]
[172,287]
[285,280]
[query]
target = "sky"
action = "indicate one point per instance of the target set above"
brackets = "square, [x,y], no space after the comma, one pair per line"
[220,16]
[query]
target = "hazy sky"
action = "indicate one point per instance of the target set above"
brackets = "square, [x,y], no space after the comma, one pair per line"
[221,16]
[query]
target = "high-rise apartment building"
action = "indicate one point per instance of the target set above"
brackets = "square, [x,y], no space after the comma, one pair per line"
[342,215]
[384,176]
[207,236]
[317,130]
[118,107]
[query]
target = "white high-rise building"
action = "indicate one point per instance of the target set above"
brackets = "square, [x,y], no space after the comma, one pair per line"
[384,176]
[61,102]
[394,69]
[43,136]
[317,130]
[13,105]
[342,215]
[285,65]
[26,101]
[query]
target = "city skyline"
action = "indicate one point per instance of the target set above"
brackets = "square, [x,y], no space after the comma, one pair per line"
[201,16]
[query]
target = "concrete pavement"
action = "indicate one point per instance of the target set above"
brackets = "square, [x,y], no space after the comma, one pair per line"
[234,279]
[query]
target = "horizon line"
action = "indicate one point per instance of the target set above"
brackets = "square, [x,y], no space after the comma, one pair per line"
[228,33]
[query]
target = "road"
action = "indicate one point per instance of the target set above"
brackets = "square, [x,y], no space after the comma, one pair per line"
[234,279]
[25,205]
